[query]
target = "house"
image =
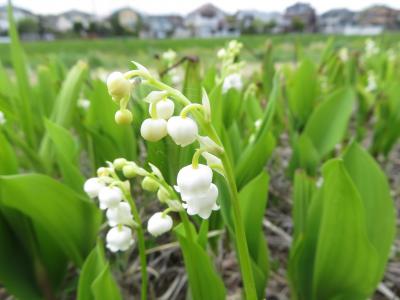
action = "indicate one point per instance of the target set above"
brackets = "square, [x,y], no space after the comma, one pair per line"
[67,21]
[380,15]
[254,21]
[301,17]
[127,18]
[336,20]
[160,27]
[19,15]
[208,20]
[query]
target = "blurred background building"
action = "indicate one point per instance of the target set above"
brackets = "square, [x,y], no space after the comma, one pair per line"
[205,21]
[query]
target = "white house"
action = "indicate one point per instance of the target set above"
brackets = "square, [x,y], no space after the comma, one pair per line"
[65,21]
[247,18]
[207,21]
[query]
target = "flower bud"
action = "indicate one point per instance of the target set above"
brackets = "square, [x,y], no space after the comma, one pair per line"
[92,187]
[194,180]
[149,184]
[182,130]
[110,197]
[165,108]
[123,117]
[119,163]
[119,238]
[102,171]
[153,130]
[129,170]
[119,215]
[159,224]
[163,194]
[118,86]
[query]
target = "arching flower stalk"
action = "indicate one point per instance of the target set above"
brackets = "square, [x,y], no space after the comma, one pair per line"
[194,182]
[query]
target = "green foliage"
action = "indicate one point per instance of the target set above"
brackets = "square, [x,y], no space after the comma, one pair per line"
[205,283]
[343,242]
[96,281]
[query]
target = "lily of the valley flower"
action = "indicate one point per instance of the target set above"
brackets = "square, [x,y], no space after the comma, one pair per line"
[159,223]
[93,186]
[153,130]
[183,130]
[119,215]
[202,204]
[110,197]
[197,191]
[164,108]
[232,81]
[192,180]
[118,86]
[119,238]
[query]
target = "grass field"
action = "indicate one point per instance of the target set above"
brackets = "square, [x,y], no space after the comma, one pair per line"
[117,51]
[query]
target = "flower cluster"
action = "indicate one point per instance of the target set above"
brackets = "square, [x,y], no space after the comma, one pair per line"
[230,68]
[183,130]
[371,48]
[118,211]
[194,182]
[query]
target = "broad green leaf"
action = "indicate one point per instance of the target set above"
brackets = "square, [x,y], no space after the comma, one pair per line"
[65,104]
[204,281]
[59,211]
[16,272]
[66,152]
[95,280]
[303,191]
[346,262]
[379,208]
[305,156]
[303,92]
[328,123]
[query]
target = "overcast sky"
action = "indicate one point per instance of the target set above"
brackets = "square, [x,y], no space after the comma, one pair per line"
[104,7]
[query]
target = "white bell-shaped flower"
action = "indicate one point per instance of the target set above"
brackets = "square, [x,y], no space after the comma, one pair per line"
[153,130]
[119,215]
[183,130]
[119,238]
[165,108]
[110,197]
[93,186]
[202,204]
[233,81]
[194,181]
[118,86]
[159,224]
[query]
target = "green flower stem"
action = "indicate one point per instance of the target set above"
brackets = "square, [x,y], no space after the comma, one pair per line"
[240,236]
[142,247]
